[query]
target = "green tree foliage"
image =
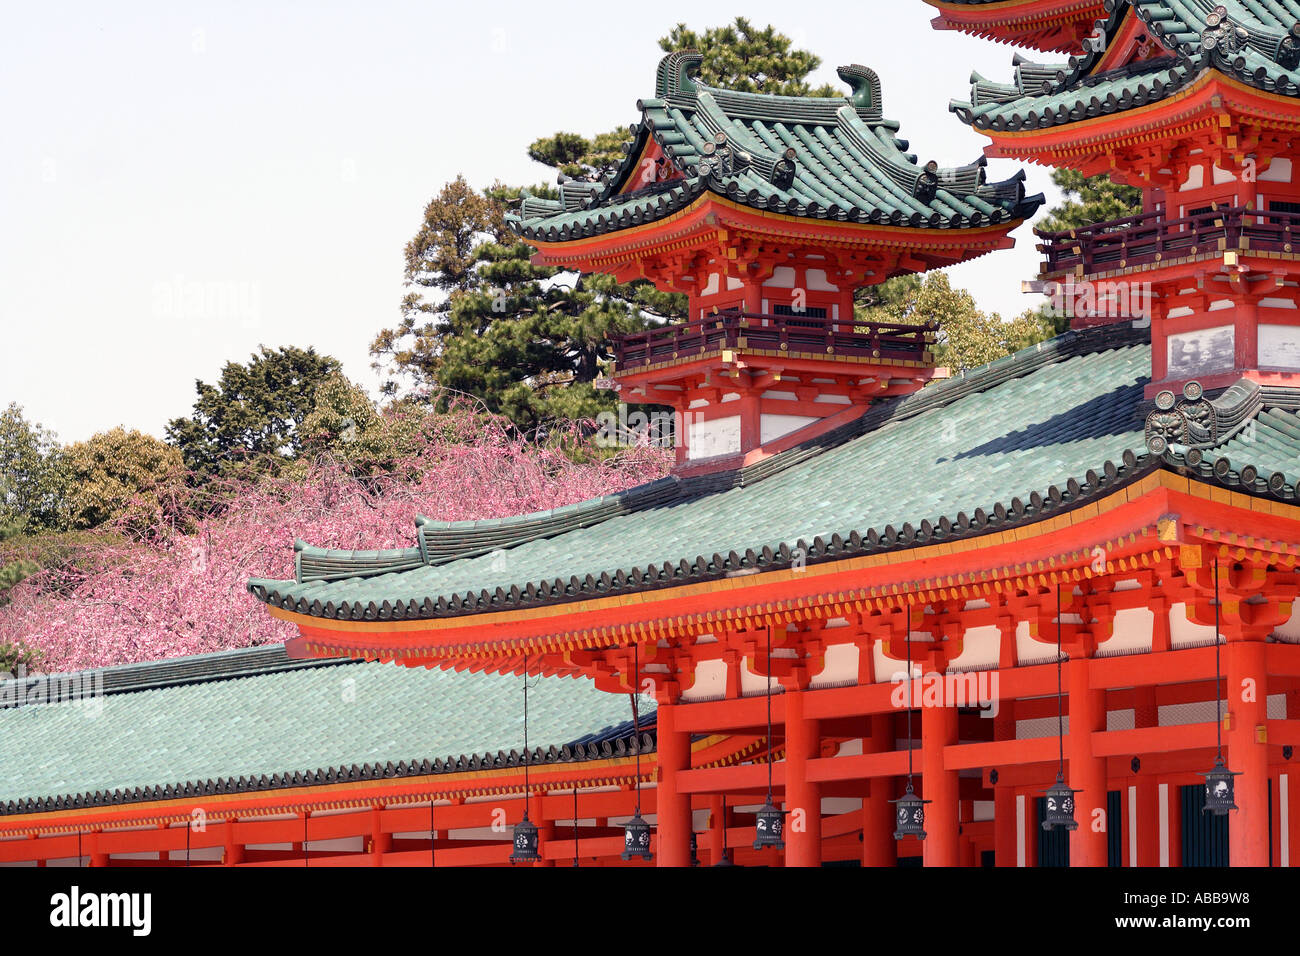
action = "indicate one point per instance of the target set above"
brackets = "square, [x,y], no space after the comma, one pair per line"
[527,341]
[253,410]
[121,475]
[13,571]
[967,336]
[349,427]
[742,57]
[31,476]
[1089,200]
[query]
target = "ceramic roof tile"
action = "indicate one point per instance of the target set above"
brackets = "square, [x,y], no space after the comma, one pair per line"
[825,157]
[253,712]
[1256,41]
[1011,430]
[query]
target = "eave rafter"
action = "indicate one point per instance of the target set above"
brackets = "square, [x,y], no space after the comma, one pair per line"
[1047,25]
[1149,145]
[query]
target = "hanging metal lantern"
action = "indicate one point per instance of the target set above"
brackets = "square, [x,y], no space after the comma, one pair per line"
[726,859]
[525,842]
[909,815]
[1219,789]
[695,849]
[769,828]
[1059,813]
[636,838]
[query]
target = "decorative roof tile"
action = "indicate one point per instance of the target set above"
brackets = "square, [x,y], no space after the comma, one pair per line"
[1255,41]
[820,157]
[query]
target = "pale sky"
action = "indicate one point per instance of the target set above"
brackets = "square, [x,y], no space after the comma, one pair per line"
[181,182]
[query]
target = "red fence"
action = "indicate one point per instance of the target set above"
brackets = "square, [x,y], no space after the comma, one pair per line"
[1150,238]
[777,333]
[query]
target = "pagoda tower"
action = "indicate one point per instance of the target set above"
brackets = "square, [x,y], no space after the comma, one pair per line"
[1195,103]
[768,212]
[1049,25]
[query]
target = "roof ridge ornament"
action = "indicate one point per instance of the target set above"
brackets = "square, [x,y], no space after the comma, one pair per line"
[676,71]
[865,84]
[1197,422]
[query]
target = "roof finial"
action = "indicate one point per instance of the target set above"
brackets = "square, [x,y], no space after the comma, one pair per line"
[675,72]
[866,89]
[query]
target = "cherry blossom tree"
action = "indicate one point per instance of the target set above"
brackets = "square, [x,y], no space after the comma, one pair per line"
[178,588]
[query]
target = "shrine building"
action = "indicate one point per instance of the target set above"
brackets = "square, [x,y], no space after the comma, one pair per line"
[1084,554]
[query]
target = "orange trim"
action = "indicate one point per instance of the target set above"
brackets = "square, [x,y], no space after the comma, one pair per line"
[858,234]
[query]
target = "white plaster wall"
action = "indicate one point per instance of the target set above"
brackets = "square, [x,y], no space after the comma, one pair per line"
[1183,632]
[1029,650]
[841,666]
[1195,179]
[718,437]
[782,278]
[833,399]
[980,646]
[710,681]
[1204,350]
[1279,171]
[1279,345]
[818,282]
[1132,632]
[751,683]
[1290,629]
[773,427]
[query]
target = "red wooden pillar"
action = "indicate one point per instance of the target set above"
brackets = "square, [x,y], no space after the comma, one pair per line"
[1246,696]
[545,828]
[1087,773]
[1147,714]
[1005,836]
[717,829]
[751,421]
[234,853]
[939,730]
[673,813]
[96,856]
[878,845]
[803,832]
[380,842]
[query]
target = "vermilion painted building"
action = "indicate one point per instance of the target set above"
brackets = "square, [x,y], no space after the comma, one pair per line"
[1086,551]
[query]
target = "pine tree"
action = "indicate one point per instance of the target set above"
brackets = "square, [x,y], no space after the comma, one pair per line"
[1088,200]
[252,412]
[527,341]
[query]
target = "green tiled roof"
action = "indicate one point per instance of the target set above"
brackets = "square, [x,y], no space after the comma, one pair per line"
[820,157]
[1256,41]
[1025,437]
[253,719]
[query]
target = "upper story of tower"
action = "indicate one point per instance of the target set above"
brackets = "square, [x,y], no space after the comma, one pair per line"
[768,212]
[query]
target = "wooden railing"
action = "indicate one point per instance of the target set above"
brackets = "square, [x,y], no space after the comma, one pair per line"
[775,333]
[1151,238]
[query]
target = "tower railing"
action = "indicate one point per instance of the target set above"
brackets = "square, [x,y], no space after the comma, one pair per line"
[1151,238]
[801,333]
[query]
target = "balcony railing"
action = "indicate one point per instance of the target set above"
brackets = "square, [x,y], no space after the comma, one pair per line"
[790,334]
[1150,238]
